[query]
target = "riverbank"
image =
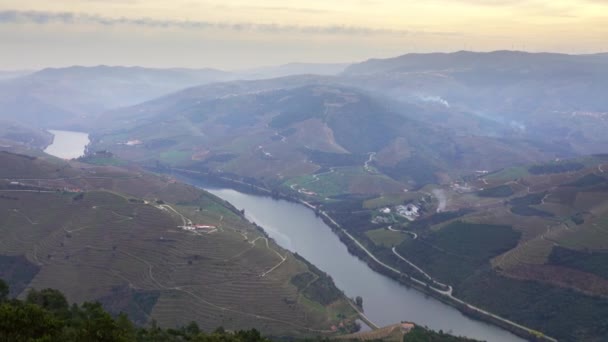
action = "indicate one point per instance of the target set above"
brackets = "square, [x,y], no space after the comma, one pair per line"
[357,249]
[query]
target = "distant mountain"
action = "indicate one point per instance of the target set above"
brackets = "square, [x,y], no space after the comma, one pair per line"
[71,96]
[15,135]
[8,75]
[293,69]
[277,130]
[546,97]
[466,60]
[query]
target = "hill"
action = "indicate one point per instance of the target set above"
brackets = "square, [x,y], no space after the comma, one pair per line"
[466,60]
[428,118]
[520,242]
[548,98]
[16,135]
[282,132]
[293,69]
[46,315]
[71,97]
[155,249]
[7,75]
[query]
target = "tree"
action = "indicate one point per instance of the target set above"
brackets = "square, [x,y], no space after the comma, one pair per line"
[49,299]
[359,301]
[4,291]
[27,322]
[95,324]
[45,316]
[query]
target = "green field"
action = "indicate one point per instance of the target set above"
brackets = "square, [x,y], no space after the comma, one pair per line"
[559,312]
[344,181]
[459,249]
[508,174]
[175,157]
[389,200]
[498,191]
[591,262]
[386,238]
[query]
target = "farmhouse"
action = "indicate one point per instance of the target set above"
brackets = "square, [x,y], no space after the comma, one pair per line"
[202,226]
[198,227]
[408,211]
[134,142]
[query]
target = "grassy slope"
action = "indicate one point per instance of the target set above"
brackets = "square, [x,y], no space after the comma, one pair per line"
[520,253]
[283,134]
[109,245]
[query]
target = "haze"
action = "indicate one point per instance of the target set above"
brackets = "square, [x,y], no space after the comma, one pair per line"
[240,34]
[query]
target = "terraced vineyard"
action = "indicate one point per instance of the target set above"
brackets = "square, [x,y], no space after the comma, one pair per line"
[122,242]
[525,242]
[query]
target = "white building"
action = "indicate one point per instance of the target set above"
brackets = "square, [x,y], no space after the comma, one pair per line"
[409,210]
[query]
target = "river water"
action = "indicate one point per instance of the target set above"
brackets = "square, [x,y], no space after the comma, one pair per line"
[385,301]
[67,144]
[297,229]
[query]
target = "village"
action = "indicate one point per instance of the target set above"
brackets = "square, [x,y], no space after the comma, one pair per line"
[408,211]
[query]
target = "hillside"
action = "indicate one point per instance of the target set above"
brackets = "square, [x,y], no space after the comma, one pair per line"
[429,118]
[123,238]
[72,97]
[282,132]
[292,69]
[553,99]
[527,243]
[46,315]
[467,60]
[16,135]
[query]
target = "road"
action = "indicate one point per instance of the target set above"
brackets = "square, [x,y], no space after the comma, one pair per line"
[448,292]
[441,292]
[366,166]
[414,235]
[186,221]
[283,258]
[392,269]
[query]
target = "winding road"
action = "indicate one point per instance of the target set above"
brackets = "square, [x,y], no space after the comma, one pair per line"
[447,294]
[441,292]
[366,166]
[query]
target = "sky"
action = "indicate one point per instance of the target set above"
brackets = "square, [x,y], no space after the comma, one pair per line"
[239,34]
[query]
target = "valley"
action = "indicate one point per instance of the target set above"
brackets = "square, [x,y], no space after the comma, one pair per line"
[421,185]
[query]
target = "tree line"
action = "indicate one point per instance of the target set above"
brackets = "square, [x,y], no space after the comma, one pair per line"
[46,316]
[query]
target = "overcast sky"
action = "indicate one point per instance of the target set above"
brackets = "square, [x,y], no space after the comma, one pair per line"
[231,34]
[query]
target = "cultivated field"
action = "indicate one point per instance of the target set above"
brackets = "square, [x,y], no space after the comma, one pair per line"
[121,242]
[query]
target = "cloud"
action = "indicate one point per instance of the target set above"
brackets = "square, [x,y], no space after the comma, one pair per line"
[44,17]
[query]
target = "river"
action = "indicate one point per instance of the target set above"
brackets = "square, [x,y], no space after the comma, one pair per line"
[385,301]
[67,144]
[297,229]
